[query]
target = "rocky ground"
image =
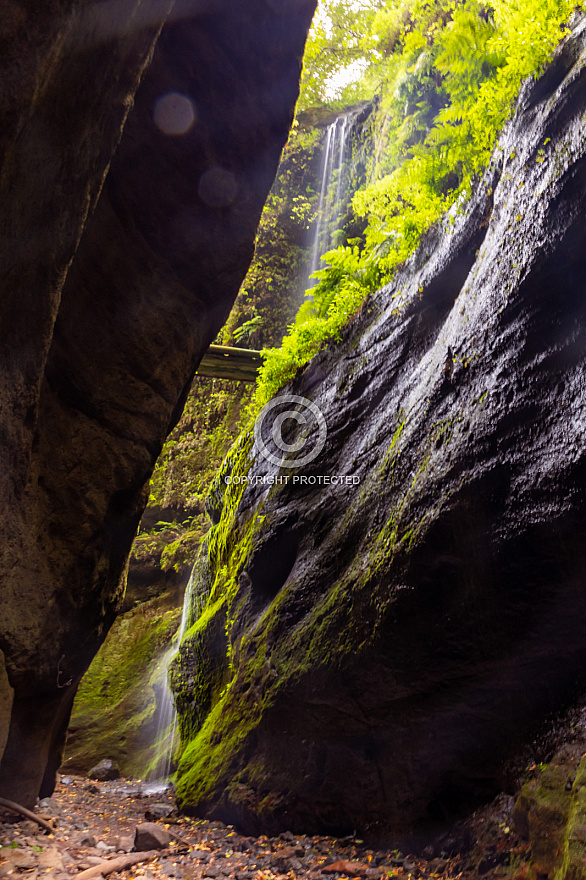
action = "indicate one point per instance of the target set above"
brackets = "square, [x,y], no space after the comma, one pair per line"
[96,823]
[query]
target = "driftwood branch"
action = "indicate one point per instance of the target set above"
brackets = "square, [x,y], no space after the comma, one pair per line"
[108,866]
[226,362]
[28,814]
[178,837]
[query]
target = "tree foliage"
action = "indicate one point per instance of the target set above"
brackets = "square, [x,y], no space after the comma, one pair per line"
[447,73]
[337,42]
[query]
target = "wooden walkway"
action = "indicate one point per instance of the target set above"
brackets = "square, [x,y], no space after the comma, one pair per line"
[225,362]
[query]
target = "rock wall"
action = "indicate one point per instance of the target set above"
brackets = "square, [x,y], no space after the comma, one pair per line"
[135,162]
[373,649]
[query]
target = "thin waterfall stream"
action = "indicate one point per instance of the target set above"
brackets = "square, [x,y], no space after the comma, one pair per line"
[166,713]
[331,191]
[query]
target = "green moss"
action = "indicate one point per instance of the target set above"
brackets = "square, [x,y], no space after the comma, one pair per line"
[573,866]
[180,553]
[222,734]
[201,669]
[113,714]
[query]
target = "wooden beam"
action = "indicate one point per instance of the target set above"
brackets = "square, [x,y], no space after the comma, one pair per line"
[225,362]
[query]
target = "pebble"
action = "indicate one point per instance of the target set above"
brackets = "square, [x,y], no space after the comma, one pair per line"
[22,859]
[29,827]
[49,805]
[201,855]
[168,868]
[159,811]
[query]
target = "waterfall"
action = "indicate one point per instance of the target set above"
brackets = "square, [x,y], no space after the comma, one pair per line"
[165,712]
[331,190]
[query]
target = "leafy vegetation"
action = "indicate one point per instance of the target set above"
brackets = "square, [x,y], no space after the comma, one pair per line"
[337,48]
[447,72]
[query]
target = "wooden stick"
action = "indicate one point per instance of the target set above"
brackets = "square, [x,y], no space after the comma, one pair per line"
[178,837]
[108,866]
[16,808]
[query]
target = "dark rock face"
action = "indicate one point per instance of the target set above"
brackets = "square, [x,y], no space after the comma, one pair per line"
[382,645]
[115,278]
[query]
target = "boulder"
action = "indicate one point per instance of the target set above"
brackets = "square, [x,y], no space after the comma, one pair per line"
[104,771]
[137,149]
[159,811]
[149,836]
[392,620]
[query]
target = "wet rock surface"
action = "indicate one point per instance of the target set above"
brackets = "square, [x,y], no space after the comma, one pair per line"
[130,200]
[378,645]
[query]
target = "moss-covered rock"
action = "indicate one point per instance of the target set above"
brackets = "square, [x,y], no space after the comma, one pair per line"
[550,813]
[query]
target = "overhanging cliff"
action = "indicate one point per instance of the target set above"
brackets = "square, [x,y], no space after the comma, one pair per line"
[135,163]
